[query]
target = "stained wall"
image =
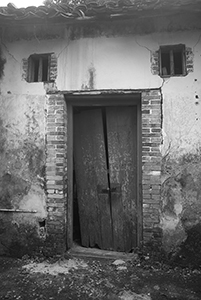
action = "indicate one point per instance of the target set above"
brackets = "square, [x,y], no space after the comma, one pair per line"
[107,57]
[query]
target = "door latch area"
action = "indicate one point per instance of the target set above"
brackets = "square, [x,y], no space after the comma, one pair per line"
[114,189]
[102,189]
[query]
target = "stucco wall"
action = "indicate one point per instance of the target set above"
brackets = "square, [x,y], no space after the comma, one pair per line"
[120,61]
[22,162]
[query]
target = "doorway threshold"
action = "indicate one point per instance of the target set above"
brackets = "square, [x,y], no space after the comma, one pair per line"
[79,251]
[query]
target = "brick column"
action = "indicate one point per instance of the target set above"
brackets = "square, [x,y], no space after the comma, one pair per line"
[56,137]
[151,162]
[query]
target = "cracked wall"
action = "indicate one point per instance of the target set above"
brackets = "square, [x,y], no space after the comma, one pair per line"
[104,58]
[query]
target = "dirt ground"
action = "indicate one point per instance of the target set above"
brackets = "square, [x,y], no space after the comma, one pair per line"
[86,278]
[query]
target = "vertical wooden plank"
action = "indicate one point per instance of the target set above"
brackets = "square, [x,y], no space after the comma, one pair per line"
[91,178]
[30,69]
[69,216]
[49,66]
[40,69]
[122,151]
[139,176]
[105,221]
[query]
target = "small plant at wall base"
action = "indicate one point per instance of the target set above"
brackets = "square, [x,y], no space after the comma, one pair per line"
[2,63]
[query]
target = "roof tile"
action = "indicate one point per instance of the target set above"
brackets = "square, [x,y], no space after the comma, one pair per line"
[89,8]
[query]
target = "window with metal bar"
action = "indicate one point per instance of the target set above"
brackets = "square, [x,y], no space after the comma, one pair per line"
[172,60]
[38,67]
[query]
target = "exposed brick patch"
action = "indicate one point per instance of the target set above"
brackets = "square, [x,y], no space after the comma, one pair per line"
[53,67]
[155,67]
[24,68]
[189,60]
[155,61]
[151,161]
[56,137]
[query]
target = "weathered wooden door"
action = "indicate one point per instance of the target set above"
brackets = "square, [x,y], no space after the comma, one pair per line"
[105,153]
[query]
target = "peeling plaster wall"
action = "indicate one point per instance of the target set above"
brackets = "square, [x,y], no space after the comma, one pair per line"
[88,61]
[181,151]
[22,162]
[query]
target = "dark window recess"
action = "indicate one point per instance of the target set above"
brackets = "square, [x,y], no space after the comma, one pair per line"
[172,60]
[39,65]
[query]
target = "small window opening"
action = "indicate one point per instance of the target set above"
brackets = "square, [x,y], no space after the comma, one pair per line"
[172,60]
[38,67]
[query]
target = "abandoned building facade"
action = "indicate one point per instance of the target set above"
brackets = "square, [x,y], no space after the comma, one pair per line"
[100,139]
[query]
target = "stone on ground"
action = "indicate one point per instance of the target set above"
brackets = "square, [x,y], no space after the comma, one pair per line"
[128,295]
[118,262]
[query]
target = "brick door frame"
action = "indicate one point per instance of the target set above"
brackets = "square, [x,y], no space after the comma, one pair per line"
[59,168]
